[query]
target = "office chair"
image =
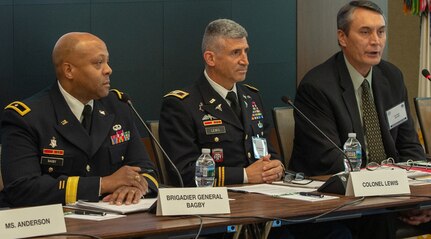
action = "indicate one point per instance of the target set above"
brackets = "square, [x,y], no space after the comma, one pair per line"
[285,129]
[423,111]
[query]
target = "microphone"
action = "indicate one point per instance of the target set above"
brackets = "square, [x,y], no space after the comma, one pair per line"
[338,182]
[426,74]
[126,99]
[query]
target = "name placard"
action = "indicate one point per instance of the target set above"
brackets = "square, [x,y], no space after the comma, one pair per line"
[378,182]
[192,201]
[32,221]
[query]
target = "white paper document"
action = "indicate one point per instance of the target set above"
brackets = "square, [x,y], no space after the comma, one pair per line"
[281,191]
[143,205]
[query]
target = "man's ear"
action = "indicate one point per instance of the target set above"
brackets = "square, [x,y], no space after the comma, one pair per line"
[209,58]
[341,38]
[67,69]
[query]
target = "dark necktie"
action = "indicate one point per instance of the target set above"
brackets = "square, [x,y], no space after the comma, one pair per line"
[86,120]
[376,150]
[231,96]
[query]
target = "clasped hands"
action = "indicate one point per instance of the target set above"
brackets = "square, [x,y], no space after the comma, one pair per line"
[265,170]
[126,185]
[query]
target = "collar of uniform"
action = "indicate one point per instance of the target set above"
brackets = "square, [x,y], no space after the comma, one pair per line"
[74,104]
[220,89]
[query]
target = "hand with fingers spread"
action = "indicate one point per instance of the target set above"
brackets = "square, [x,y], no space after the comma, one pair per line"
[124,194]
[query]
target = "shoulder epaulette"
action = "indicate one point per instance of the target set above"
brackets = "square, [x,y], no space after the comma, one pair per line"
[19,107]
[118,93]
[177,93]
[251,87]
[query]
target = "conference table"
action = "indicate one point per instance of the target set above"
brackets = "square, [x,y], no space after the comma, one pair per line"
[247,208]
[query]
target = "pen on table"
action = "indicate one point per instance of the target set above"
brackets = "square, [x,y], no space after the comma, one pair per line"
[90,213]
[307,194]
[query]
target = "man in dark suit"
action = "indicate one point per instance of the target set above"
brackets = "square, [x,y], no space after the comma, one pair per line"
[49,157]
[330,95]
[201,115]
[333,95]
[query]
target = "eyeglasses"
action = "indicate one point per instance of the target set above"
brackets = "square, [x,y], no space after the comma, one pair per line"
[388,163]
[296,178]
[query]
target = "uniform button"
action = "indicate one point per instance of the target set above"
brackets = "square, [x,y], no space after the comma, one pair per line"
[261,133]
[50,170]
[216,139]
[122,158]
[246,136]
[249,155]
[88,168]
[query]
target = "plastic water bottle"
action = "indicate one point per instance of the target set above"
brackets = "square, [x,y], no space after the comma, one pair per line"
[353,150]
[205,169]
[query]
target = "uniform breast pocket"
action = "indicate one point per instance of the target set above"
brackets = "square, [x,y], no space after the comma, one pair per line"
[118,153]
[257,129]
[55,165]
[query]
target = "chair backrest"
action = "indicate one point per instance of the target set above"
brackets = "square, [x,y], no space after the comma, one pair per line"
[285,129]
[159,158]
[423,111]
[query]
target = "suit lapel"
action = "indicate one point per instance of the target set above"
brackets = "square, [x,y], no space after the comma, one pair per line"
[67,124]
[214,104]
[100,126]
[349,97]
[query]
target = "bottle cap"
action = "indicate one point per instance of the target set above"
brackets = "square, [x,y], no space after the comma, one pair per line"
[206,151]
[352,135]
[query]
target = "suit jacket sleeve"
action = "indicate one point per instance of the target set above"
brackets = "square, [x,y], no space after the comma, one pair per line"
[315,155]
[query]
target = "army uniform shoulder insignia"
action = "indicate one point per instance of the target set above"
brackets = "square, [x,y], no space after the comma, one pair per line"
[177,93]
[19,107]
[251,87]
[118,93]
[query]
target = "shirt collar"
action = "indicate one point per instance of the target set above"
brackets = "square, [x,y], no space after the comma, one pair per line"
[74,104]
[218,88]
[357,78]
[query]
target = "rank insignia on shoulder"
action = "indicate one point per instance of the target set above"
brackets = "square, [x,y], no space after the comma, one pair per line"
[21,108]
[251,87]
[177,93]
[118,93]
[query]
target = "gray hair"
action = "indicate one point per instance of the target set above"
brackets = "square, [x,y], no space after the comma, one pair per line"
[224,28]
[344,16]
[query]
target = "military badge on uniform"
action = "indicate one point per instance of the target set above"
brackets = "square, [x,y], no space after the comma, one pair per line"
[64,122]
[53,142]
[260,125]
[256,113]
[116,127]
[53,151]
[120,136]
[218,107]
[217,155]
[212,122]
[102,112]
[208,117]
[200,106]
[212,101]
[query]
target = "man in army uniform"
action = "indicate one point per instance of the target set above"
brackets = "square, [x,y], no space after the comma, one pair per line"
[220,114]
[49,157]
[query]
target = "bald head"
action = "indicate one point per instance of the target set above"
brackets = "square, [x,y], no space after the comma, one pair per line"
[71,45]
[81,65]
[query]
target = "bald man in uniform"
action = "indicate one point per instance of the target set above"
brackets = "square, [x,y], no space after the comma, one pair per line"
[74,140]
